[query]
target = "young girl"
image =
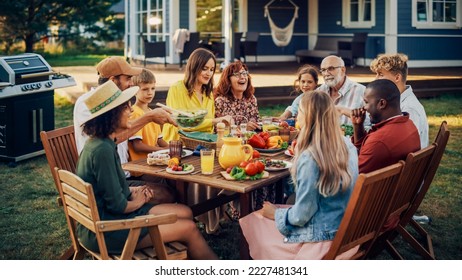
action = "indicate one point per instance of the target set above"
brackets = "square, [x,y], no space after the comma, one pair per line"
[149,138]
[324,172]
[307,81]
[109,111]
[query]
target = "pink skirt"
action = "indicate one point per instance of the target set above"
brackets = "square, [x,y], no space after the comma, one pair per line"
[267,243]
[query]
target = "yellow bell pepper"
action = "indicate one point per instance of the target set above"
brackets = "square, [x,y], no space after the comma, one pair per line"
[274,142]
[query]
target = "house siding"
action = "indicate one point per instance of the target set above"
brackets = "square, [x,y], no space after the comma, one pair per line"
[426,44]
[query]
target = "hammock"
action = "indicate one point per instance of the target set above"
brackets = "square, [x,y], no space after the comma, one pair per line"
[281,36]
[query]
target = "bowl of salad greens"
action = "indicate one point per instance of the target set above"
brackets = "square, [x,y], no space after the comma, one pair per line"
[195,118]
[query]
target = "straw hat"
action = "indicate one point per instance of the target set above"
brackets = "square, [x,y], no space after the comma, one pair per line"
[105,98]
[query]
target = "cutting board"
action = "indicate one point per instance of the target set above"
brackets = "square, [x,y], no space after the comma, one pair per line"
[228,177]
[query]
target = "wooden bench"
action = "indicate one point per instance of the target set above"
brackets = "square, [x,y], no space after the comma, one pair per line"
[324,46]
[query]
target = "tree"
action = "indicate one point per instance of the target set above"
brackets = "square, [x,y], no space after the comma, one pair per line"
[29,20]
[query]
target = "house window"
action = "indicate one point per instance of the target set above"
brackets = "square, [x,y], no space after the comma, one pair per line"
[358,13]
[437,14]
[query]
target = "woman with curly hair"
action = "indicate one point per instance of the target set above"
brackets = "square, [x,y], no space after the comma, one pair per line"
[99,164]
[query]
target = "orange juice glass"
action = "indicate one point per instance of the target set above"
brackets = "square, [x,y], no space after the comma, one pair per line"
[207,161]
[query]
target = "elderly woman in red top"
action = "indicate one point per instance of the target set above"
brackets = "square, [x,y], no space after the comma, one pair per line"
[234,96]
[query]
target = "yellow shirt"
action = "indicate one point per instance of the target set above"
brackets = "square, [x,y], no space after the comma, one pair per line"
[178,98]
[149,134]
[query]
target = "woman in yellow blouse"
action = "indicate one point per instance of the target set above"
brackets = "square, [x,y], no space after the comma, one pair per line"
[195,92]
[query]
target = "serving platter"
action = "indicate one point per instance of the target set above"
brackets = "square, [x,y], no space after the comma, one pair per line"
[268,151]
[185,153]
[287,164]
[169,170]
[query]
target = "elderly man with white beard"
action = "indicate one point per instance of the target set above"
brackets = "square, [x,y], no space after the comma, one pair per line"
[345,93]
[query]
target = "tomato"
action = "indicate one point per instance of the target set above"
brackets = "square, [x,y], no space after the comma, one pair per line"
[180,168]
[243,164]
[256,154]
[260,166]
[251,169]
[175,168]
[228,170]
[284,124]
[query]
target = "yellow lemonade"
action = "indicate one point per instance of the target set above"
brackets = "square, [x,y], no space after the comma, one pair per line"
[207,161]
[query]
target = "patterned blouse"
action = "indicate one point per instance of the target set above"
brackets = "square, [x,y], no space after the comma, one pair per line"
[242,110]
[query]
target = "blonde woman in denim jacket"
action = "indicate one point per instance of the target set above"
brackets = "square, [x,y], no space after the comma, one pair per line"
[324,170]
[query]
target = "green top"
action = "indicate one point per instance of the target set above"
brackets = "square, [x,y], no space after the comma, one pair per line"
[99,165]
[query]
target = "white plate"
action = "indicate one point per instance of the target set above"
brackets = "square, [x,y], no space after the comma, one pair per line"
[287,153]
[288,165]
[169,170]
[187,153]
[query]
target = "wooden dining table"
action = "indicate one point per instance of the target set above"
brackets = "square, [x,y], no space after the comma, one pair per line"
[233,189]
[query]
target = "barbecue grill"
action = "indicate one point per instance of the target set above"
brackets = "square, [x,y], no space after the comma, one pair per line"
[27,84]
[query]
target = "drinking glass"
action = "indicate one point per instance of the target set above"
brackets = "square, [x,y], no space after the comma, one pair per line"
[207,161]
[175,149]
[266,121]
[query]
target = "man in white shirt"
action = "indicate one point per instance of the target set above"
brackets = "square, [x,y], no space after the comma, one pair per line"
[394,68]
[120,72]
[346,94]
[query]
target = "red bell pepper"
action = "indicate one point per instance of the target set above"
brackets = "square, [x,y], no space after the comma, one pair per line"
[257,141]
[265,135]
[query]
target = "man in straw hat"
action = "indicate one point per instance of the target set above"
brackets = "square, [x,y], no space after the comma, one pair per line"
[117,70]
[109,110]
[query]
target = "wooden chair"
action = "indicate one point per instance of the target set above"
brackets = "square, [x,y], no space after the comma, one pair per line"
[426,249]
[61,151]
[80,207]
[366,211]
[415,169]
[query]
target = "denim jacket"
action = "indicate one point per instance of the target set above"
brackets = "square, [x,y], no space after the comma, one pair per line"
[313,217]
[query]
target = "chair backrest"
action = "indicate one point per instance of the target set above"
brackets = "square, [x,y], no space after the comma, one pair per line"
[441,141]
[191,45]
[252,36]
[154,49]
[237,45]
[415,169]
[358,44]
[366,211]
[60,149]
[80,207]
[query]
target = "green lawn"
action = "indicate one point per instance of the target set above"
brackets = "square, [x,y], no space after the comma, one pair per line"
[32,226]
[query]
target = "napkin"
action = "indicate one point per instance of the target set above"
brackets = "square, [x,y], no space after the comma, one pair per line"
[202,136]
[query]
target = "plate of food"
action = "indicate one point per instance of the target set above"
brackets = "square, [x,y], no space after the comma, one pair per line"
[276,165]
[289,153]
[269,150]
[184,153]
[181,169]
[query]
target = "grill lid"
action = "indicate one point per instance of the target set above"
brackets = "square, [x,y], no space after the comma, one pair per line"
[24,68]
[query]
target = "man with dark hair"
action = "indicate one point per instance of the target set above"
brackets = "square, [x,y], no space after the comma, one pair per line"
[392,136]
